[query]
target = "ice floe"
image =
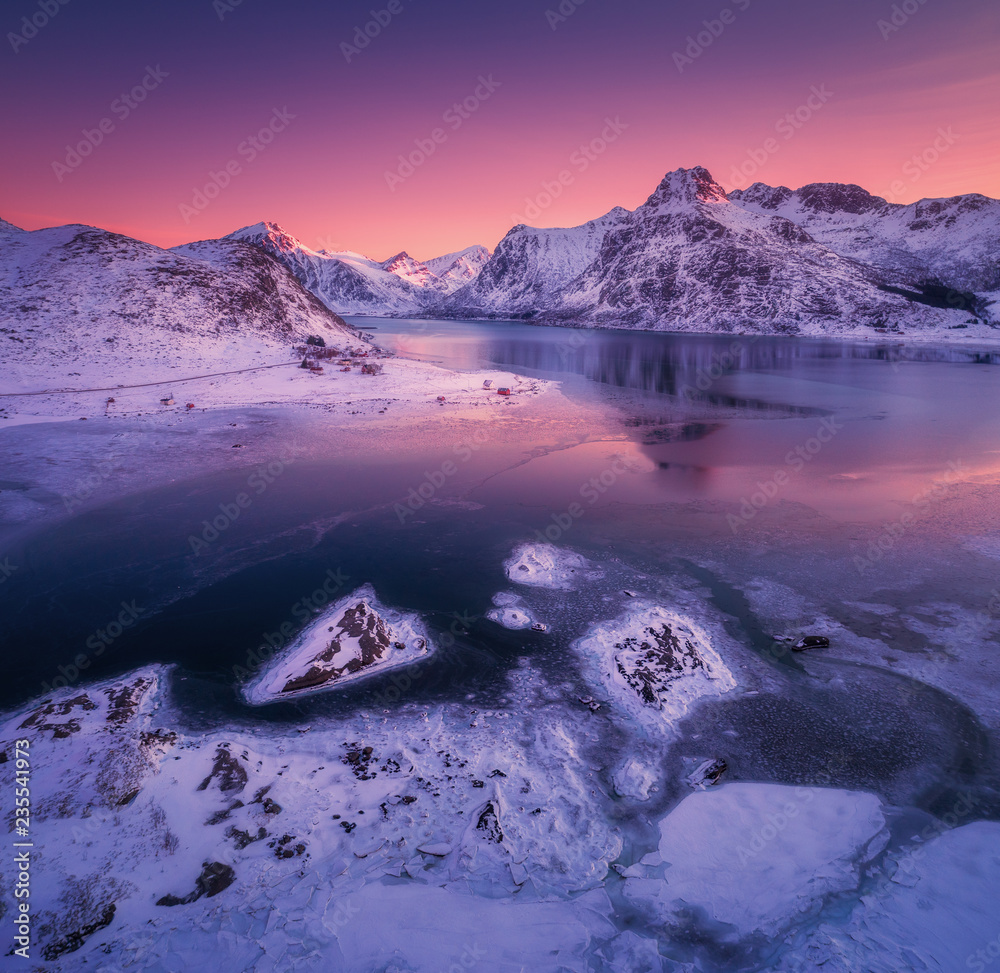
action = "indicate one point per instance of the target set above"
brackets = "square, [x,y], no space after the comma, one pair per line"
[936,910]
[756,857]
[510,612]
[547,566]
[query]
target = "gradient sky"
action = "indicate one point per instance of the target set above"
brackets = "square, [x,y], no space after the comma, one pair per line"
[324,176]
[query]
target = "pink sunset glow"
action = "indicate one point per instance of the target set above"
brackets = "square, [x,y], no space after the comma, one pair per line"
[448,128]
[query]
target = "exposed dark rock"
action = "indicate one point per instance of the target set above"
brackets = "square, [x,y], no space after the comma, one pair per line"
[359,623]
[128,798]
[489,823]
[157,738]
[215,877]
[123,701]
[40,719]
[708,772]
[650,666]
[222,815]
[231,774]
[243,838]
[283,847]
[73,941]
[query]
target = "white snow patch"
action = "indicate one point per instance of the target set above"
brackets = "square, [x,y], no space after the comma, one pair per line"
[546,566]
[636,779]
[512,618]
[510,612]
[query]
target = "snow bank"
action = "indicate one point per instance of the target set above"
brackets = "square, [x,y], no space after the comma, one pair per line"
[655,663]
[355,638]
[411,832]
[546,566]
[757,856]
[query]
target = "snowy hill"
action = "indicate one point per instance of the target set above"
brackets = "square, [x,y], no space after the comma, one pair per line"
[824,260]
[457,269]
[80,305]
[351,283]
[953,240]
[531,265]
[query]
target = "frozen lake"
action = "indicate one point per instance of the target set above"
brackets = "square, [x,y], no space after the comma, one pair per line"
[771,486]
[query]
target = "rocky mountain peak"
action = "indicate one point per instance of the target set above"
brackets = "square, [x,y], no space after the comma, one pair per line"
[686,186]
[836,197]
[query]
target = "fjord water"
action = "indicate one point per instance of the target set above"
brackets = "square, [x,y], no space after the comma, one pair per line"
[740,462]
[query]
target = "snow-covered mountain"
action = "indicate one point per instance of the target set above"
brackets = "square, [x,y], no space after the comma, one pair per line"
[443,274]
[83,302]
[530,266]
[351,283]
[955,240]
[692,258]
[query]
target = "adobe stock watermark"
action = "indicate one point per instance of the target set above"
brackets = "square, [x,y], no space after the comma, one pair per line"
[581,159]
[899,17]
[303,611]
[920,162]
[47,9]
[779,820]
[894,531]
[6,569]
[365,33]
[468,959]
[434,480]
[992,606]
[404,678]
[259,481]
[224,7]
[795,462]
[590,490]
[98,643]
[909,856]
[121,107]
[787,126]
[248,150]
[698,43]
[981,958]
[563,12]
[455,117]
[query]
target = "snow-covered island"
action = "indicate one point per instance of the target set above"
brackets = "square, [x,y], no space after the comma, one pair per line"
[655,664]
[355,638]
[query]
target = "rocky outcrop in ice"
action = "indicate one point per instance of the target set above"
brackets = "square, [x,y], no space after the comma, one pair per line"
[363,839]
[355,638]
[655,664]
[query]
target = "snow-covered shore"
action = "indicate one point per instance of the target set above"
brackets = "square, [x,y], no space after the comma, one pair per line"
[419,837]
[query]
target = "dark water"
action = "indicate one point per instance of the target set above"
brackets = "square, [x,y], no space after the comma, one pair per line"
[701,438]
